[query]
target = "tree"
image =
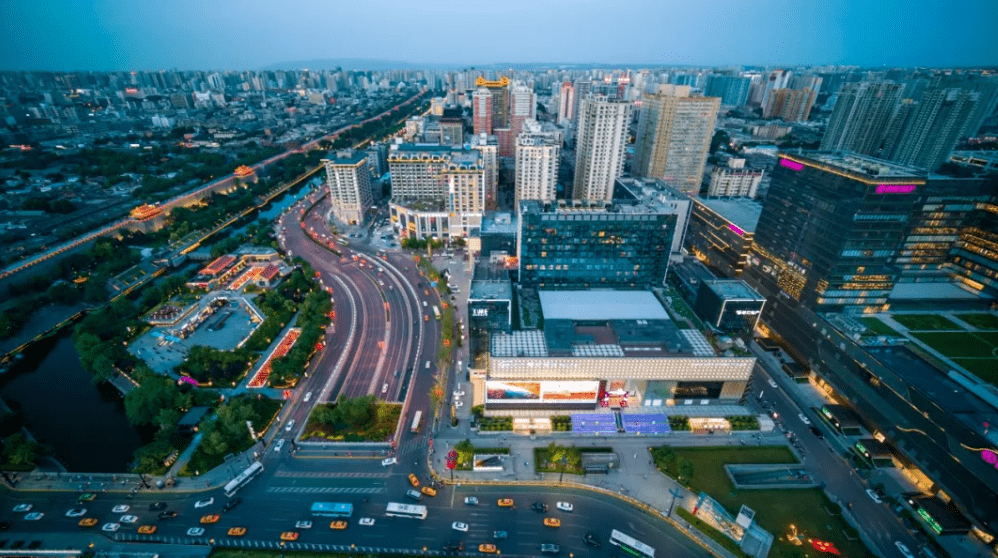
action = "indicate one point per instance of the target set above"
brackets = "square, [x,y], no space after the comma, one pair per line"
[19,452]
[144,404]
[686,469]
[560,455]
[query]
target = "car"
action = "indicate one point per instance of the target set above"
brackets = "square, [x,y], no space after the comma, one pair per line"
[500,535]
[289,536]
[428,491]
[459,404]
[591,540]
[236,531]
[308,396]
[110,527]
[210,519]
[873,496]
[303,525]
[166,515]
[804,419]
[539,507]
[147,529]
[339,525]
[291,424]
[564,506]
[487,548]
[121,508]
[76,512]
[278,446]
[505,503]
[548,548]
[471,500]
[20,508]
[772,384]
[384,388]
[413,480]
[195,531]
[552,522]
[369,521]
[156,506]
[88,522]
[817,433]
[204,503]
[232,503]
[453,546]
[414,494]
[34,516]
[87,497]
[389,461]
[903,550]
[458,526]
[129,519]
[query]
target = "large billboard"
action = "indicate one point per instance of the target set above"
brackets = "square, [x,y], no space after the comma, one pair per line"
[549,391]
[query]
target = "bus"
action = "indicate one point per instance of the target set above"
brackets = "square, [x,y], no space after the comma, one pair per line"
[343,241]
[406,510]
[631,545]
[416,420]
[436,312]
[243,479]
[330,509]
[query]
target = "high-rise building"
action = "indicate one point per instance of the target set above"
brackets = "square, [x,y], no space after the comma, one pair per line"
[673,138]
[721,233]
[927,132]
[500,99]
[975,257]
[790,105]
[862,113]
[583,87]
[732,90]
[481,102]
[777,79]
[537,158]
[832,225]
[734,180]
[522,106]
[566,104]
[488,149]
[349,183]
[600,144]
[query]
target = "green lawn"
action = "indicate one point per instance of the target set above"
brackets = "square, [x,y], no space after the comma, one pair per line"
[980,321]
[925,322]
[775,509]
[960,345]
[984,368]
[877,327]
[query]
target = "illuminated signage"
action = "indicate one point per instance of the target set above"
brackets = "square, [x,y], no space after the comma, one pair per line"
[736,230]
[480,312]
[930,520]
[792,165]
[189,380]
[747,312]
[990,457]
[895,188]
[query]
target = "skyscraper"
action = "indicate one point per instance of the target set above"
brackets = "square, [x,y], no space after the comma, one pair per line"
[349,183]
[566,104]
[582,89]
[790,105]
[537,159]
[930,130]
[522,106]
[500,99]
[482,110]
[732,90]
[488,149]
[861,116]
[602,138]
[777,79]
[673,138]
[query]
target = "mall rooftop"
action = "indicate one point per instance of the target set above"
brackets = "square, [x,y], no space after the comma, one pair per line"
[861,166]
[741,212]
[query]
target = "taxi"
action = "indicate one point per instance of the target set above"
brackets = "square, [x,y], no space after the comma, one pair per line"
[338,525]
[486,548]
[552,522]
[87,497]
[147,529]
[209,519]
[413,480]
[289,536]
[237,531]
[506,503]
[428,491]
[88,522]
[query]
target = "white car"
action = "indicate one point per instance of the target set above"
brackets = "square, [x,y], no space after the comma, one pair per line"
[903,550]
[200,503]
[128,519]
[564,506]
[279,445]
[34,516]
[384,388]
[308,396]
[772,384]
[20,508]
[291,424]
[804,419]
[366,521]
[873,495]
[121,508]
[303,525]
[110,527]
[458,526]
[458,394]
[195,531]
[471,500]
[389,461]
[76,512]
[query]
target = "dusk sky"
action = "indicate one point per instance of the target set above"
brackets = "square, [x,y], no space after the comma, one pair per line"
[250,34]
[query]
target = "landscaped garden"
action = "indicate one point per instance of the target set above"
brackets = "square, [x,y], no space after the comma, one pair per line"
[876,327]
[925,322]
[980,321]
[227,432]
[362,419]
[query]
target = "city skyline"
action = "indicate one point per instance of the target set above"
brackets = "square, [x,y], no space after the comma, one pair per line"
[254,35]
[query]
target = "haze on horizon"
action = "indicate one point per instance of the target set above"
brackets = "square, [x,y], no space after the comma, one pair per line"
[251,34]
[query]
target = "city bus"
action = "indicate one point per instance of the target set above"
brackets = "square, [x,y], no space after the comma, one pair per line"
[631,545]
[436,312]
[243,479]
[330,509]
[416,420]
[406,510]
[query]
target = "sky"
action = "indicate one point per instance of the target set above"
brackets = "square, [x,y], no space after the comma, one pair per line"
[251,34]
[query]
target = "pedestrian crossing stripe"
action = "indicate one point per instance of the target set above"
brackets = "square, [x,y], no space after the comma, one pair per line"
[324,490]
[325,475]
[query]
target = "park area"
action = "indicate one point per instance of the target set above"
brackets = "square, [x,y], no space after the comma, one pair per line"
[702,470]
[980,321]
[926,322]
[877,327]
[362,419]
[977,351]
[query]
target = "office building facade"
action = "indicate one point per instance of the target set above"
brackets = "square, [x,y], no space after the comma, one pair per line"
[721,233]
[600,144]
[349,183]
[734,180]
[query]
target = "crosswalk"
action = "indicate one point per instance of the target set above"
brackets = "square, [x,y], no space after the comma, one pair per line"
[325,490]
[412,445]
[284,473]
[246,543]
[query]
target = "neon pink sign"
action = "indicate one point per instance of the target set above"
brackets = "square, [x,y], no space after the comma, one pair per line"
[737,231]
[189,380]
[792,165]
[895,188]
[990,457]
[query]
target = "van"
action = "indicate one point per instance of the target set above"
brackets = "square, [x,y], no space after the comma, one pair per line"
[414,494]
